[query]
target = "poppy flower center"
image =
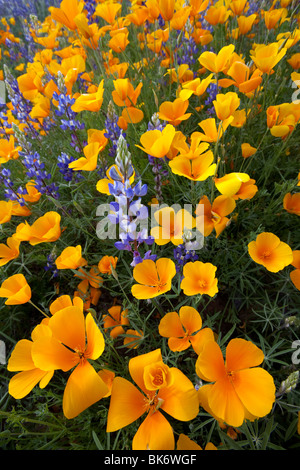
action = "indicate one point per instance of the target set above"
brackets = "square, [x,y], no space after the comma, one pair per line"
[153,403]
[266,254]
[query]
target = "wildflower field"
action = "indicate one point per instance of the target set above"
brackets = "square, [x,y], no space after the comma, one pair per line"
[150,236]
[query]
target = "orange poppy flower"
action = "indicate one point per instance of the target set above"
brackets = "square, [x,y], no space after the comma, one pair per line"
[171,225]
[226,104]
[154,278]
[64,301]
[157,143]
[214,216]
[294,61]
[166,8]
[115,320]
[90,159]
[217,15]
[245,23]
[160,388]
[74,340]
[270,251]
[230,184]
[247,391]
[119,40]
[247,190]
[273,16]
[9,251]
[67,12]
[212,133]
[217,62]
[89,101]
[174,112]
[199,278]
[33,195]
[21,361]
[70,258]
[291,203]
[195,87]
[16,290]
[247,150]
[267,56]
[30,84]
[195,169]
[295,274]
[107,263]
[124,94]
[108,11]
[44,230]
[237,6]
[5,211]
[184,330]
[241,78]
[8,150]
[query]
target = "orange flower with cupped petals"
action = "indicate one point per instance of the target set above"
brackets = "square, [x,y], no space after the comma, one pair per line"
[184,330]
[124,94]
[195,87]
[237,6]
[217,62]
[174,112]
[269,251]
[70,258]
[115,320]
[245,23]
[217,15]
[291,203]
[199,278]
[166,8]
[16,289]
[247,190]
[247,391]
[89,101]
[153,278]
[90,159]
[160,388]
[247,150]
[230,184]
[214,216]
[107,263]
[241,78]
[195,169]
[44,230]
[157,143]
[267,56]
[8,150]
[5,211]
[9,251]
[108,11]
[74,341]
[295,274]
[119,40]
[212,133]
[273,16]
[226,104]
[67,13]
[28,376]
[171,225]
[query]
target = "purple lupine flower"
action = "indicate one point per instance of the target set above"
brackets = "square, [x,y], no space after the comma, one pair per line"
[127,209]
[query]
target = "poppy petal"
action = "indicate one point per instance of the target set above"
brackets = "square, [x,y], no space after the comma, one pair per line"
[84,388]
